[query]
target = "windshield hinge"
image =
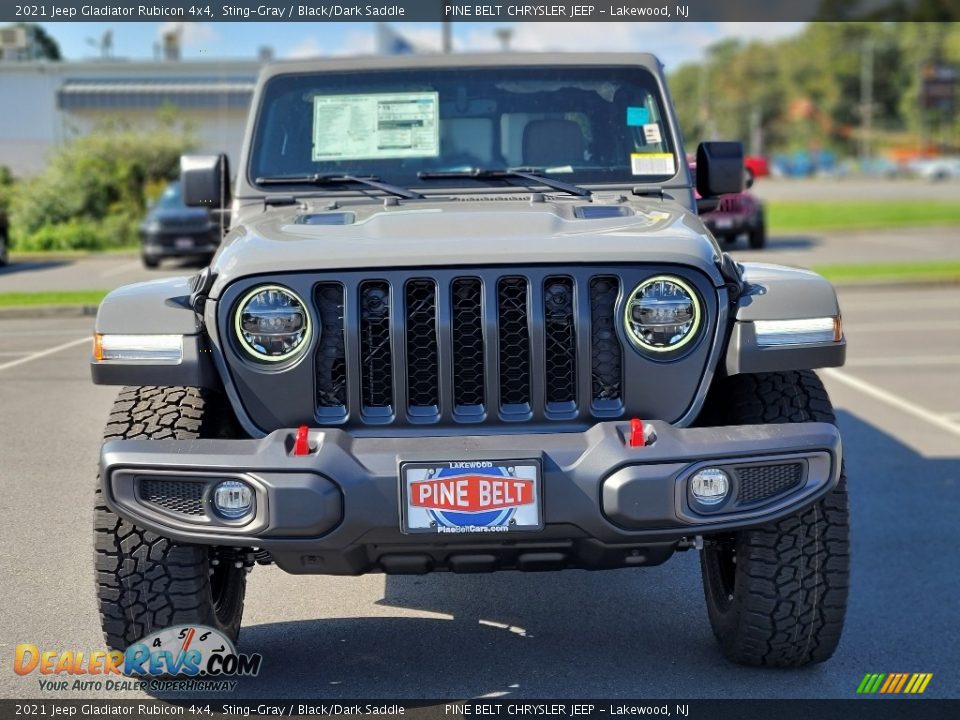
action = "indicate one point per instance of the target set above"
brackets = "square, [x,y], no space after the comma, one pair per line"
[269,200]
[656,192]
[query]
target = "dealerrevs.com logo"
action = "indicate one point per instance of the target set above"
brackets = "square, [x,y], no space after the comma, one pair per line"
[183,657]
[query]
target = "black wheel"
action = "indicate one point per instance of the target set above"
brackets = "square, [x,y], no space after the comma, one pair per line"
[729,239]
[146,582]
[776,595]
[758,234]
[151,262]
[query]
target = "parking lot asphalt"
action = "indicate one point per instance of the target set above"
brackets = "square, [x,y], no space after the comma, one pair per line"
[626,633]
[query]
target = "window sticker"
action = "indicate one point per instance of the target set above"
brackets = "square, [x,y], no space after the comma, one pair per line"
[375,127]
[651,133]
[652,164]
[637,116]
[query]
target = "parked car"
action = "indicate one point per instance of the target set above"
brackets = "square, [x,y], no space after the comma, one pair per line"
[4,239]
[173,230]
[399,364]
[937,169]
[756,166]
[735,215]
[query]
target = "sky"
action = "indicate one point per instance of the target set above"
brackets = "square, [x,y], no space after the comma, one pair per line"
[674,43]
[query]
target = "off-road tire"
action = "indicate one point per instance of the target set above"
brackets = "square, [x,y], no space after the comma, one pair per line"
[146,582]
[777,594]
[758,234]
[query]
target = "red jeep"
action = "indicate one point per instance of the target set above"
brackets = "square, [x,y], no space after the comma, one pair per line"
[735,215]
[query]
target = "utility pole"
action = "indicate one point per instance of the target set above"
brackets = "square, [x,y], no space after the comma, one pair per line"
[447,36]
[866,98]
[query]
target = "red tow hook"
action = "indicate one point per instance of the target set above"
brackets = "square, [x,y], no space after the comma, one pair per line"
[636,438]
[300,444]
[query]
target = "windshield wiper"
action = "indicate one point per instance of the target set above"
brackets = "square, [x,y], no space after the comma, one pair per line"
[524,173]
[322,179]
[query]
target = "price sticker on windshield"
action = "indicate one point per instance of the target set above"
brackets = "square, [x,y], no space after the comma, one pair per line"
[376,127]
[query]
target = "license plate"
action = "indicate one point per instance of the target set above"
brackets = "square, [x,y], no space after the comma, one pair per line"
[725,223]
[471,497]
[183,242]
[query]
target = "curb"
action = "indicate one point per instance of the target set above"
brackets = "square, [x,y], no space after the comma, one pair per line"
[854,285]
[26,312]
[29,312]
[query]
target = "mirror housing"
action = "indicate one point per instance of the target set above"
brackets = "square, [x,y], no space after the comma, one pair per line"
[205,181]
[719,168]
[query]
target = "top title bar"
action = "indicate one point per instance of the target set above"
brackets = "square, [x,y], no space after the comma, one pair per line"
[444,10]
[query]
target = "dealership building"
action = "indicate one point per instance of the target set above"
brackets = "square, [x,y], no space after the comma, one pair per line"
[45,104]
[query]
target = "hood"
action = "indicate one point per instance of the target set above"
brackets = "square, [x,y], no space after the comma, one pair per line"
[478,231]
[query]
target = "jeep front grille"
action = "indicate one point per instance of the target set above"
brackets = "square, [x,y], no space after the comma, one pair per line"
[468,348]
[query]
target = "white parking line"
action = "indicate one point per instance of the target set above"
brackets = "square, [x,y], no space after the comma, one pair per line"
[44,353]
[904,360]
[917,411]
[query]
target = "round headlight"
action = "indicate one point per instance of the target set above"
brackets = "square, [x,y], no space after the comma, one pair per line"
[272,323]
[662,314]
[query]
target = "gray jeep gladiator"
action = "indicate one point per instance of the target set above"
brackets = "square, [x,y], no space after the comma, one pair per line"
[467,318]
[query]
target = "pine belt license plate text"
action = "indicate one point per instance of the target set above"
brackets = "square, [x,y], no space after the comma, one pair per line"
[471,497]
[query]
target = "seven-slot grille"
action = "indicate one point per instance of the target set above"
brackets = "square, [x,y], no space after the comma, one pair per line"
[468,348]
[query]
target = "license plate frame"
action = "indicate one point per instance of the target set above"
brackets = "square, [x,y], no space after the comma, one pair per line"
[501,519]
[184,243]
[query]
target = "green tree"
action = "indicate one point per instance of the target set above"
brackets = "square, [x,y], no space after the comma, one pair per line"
[94,191]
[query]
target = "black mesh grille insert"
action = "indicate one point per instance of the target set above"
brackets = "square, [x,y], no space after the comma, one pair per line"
[468,364]
[331,364]
[423,379]
[376,363]
[607,354]
[514,341]
[179,496]
[758,482]
[561,340]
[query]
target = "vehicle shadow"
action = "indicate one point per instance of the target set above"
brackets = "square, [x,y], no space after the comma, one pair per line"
[779,243]
[31,266]
[631,633]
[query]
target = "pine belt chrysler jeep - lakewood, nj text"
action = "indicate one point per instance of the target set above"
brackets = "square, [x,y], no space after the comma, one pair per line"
[467,318]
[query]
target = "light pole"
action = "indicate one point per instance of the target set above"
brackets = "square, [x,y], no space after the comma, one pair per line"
[866,98]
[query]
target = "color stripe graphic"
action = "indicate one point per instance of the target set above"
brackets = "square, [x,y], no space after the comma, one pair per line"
[894,683]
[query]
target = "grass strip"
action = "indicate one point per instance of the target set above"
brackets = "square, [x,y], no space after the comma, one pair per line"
[55,297]
[788,216]
[937,270]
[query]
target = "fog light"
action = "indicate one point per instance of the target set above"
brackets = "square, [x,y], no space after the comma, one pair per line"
[233,500]
[710,486]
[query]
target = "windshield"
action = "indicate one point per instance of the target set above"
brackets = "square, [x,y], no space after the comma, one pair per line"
[170,199]
[590,125]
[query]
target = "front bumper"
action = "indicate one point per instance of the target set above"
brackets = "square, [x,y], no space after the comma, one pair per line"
[180,244]
[723,225]
[337,510]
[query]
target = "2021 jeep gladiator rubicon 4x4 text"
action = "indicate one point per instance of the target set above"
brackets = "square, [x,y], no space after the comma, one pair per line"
[467,318]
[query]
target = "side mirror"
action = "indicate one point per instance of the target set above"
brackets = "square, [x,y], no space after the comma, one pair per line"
[205,181]
[719,168]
